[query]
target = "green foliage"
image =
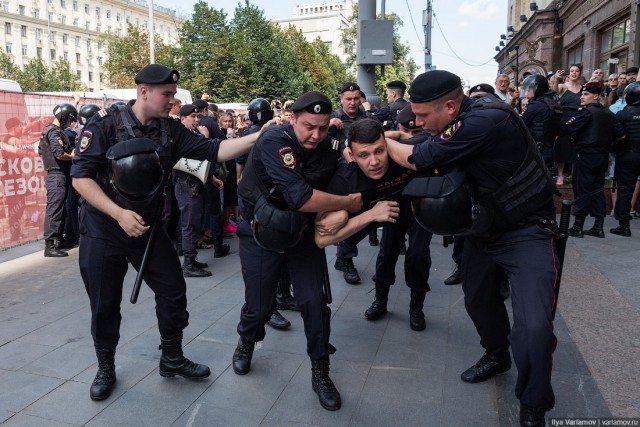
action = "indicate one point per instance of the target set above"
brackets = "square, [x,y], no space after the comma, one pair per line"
[37,77]
[8,70]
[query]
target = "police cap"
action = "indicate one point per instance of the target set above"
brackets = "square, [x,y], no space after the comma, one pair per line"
[349,86]
[432,85]
[592,87]
[188,109]
[201,104]
[631,70]
[312,102]
[482,87]
[396,84]
[407,118]
[156,74]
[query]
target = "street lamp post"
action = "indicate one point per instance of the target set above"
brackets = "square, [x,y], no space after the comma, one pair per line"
[517,48]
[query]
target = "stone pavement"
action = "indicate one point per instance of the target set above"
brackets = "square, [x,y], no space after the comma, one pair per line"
[387,374]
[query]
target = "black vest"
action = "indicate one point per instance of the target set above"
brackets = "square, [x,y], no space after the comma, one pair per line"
[48,159]
[597,136]
[630,119]
[545,131]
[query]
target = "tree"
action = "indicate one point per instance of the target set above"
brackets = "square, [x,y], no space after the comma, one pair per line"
[63,79]
[129,54]
[8,70]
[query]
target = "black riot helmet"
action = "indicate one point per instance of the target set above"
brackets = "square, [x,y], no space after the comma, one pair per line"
[632,93]
[136,169]
[275,229]
[260,111]
[86,112]
[539,84]
[442,204]
[65,114]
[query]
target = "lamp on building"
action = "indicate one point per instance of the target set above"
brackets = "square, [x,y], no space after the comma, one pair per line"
[523,18]
[497,49]
[510,29]
[533,6]
[503,37]
[501,43]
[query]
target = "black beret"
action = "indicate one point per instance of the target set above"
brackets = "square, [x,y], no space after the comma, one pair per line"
[631,70]
[482,87]
[432,85]
[407,118]
[156,74]
[201,104]
[592,87]
[188,109]
[312,102]
[396,84]
[349,86]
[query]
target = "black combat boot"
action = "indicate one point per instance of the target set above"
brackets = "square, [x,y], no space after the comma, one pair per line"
[102,384]
[50,249]
[456,276]
[373,237]
[351,275]
[278,321]
[416,316]
[173,362]
[323,386]
[200,264]
[489,365]
[531,417]
[242,357]
[576,228]
[379,306]
[623,229]
[219,249]
[190,269]
[596,230]
[284,299]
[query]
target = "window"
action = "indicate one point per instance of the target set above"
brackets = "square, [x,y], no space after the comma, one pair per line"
[63,3]
[36,13]
[86,25]
[88,43]
[117,17]
[77,58]
[50,17]
[52,36]
[574,55]
[65,38]
[119,32]
[99,60]
[39,52]
[98,28]
[21,10]
[86,8]
[52,52]
[90,76]
[7,47]
[615,36]
[79,74]
[63,19]
[77,40]
[5,6]
[7,27]
[75,5]
[25,50]
[65,55]
[75,22]
[38,33]
[97,11]
[108,14]
[23,30]
[127,19]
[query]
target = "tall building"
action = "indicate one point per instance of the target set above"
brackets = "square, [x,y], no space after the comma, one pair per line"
[69,29]
[325,20]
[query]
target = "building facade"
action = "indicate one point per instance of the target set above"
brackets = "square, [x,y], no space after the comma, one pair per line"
[69,29]
[325,20]
[591,33]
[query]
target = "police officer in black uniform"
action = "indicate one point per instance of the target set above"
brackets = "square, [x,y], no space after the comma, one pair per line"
[488,140]
[395,104]
[282,184]
[592,134]
[57,153]
[543,115]
[627,150]
[342,118]
[124,158]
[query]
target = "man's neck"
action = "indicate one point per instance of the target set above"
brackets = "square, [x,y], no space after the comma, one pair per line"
[140,114]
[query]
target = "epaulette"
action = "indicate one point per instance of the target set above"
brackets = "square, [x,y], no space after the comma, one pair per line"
[103,113]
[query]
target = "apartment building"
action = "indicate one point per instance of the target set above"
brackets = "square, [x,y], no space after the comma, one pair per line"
[69,29]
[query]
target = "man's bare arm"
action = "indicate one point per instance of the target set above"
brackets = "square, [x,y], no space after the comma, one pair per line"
[323,202]
[400,153]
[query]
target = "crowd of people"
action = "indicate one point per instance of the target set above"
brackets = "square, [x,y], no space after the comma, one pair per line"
[289,179]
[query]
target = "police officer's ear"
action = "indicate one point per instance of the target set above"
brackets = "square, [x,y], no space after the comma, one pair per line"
[348,155]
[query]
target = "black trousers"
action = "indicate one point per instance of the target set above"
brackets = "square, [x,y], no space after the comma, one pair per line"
[261,271]
[191,205]
[529,257]
[57,186]
[588,184]
[417,261]
[103,265]
[627,172]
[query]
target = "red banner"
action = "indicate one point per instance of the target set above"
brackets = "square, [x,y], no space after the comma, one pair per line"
[23,196]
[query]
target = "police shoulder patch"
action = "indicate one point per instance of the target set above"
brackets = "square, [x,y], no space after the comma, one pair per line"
[103,113]
[451,130]
[86,140]
[287,157]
